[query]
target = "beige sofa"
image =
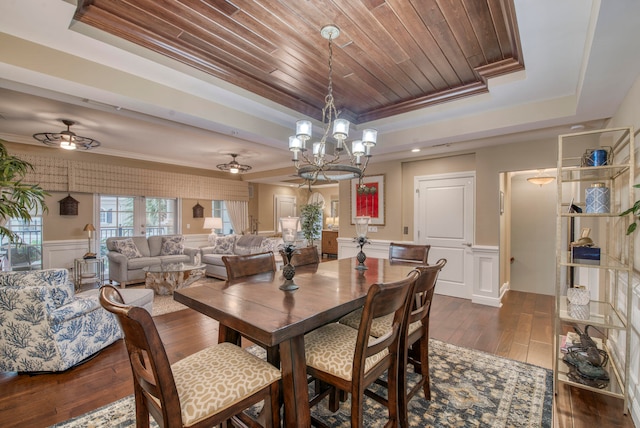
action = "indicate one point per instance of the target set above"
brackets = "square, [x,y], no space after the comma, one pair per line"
[234,245]
[128,255]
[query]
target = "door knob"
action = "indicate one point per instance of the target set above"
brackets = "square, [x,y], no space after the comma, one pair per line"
[467,244]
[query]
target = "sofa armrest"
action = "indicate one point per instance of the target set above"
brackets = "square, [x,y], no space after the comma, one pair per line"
[192,253]
[77,308]
[207,250]
[118,265]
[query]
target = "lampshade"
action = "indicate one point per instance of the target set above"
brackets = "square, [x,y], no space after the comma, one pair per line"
[89,228]
[362,225]
[212,223]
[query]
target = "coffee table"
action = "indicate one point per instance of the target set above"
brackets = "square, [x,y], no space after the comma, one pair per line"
[165,278]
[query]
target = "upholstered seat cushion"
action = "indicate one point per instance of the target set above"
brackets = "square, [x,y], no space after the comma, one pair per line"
[331,348]
[217,377]
[379,326]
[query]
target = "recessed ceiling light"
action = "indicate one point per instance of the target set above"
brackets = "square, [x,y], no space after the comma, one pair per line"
[415,150]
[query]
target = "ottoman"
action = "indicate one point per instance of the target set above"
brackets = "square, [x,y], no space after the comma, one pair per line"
[137,297]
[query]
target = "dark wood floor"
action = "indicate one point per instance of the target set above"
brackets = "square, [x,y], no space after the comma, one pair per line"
[522,330]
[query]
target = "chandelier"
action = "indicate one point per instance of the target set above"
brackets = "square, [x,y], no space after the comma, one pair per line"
[330,160]
[66,139]
[233,167]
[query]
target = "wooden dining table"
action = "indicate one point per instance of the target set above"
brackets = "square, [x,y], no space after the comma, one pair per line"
[255,307]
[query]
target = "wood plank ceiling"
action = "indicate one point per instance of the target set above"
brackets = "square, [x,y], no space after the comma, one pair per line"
[392,56]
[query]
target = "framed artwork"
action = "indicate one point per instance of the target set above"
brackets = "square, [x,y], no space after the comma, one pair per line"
[368,199]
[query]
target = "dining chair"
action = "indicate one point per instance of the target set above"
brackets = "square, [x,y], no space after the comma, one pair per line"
[241,266]
[350,360]
[204,389]
[415,340]
[408,253]
[302,256]
[249,264]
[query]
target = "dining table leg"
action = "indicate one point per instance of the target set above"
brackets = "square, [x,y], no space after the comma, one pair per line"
[294,383]
[226,334]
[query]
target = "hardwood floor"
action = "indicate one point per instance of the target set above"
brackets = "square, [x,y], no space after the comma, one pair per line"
[522,330]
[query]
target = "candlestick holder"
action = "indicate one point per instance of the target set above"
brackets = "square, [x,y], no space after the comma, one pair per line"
[362,226]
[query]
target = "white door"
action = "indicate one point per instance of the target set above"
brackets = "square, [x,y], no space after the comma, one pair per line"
[444,213]
[284,206]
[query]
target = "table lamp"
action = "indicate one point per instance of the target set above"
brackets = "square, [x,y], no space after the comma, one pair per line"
[89,228]
[212,223]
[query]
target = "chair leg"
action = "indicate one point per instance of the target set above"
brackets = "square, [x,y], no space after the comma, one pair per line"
[424,368]
[142,413]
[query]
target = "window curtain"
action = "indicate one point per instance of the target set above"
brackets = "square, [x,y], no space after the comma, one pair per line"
[238,215]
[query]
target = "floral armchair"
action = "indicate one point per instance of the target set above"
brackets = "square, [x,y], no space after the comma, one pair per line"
[45,326]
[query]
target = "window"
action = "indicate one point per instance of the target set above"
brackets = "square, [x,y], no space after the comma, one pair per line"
[26,255]
[160,216]
[219,209]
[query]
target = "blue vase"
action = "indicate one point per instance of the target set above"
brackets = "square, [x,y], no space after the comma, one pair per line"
[598,198]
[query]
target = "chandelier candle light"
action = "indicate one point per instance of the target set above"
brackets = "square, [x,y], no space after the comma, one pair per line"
[321,164]
[289,227]
[362,226]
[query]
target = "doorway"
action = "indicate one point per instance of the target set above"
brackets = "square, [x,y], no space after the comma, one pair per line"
[527,227]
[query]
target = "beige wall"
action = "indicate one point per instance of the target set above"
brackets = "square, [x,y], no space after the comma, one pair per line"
[190,225]
[56,227]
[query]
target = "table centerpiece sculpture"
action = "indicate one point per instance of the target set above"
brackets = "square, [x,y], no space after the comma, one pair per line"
[289,227]
[362,227]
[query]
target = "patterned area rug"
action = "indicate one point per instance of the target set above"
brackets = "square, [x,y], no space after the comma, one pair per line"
[166,304]
[468,389]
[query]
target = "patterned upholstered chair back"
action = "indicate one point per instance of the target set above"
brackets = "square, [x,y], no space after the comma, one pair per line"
[46,326]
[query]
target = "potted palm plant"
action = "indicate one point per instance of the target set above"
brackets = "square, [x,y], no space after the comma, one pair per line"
[17,199]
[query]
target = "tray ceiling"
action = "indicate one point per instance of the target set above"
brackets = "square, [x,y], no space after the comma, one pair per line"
[391,57]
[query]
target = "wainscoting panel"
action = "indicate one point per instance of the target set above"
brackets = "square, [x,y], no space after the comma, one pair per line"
[486,277]
[60,254]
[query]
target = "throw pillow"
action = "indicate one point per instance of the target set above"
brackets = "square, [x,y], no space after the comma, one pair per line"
[128,248]
[270,244]
[225,244]
[172,245]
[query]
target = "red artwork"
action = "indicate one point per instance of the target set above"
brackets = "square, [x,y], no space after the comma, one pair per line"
[368,200]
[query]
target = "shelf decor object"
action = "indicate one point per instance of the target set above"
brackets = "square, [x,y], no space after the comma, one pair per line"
[593,187]
[362,226]
[289,227]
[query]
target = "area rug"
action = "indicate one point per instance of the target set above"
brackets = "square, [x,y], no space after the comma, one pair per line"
[468,389]
[165,304]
